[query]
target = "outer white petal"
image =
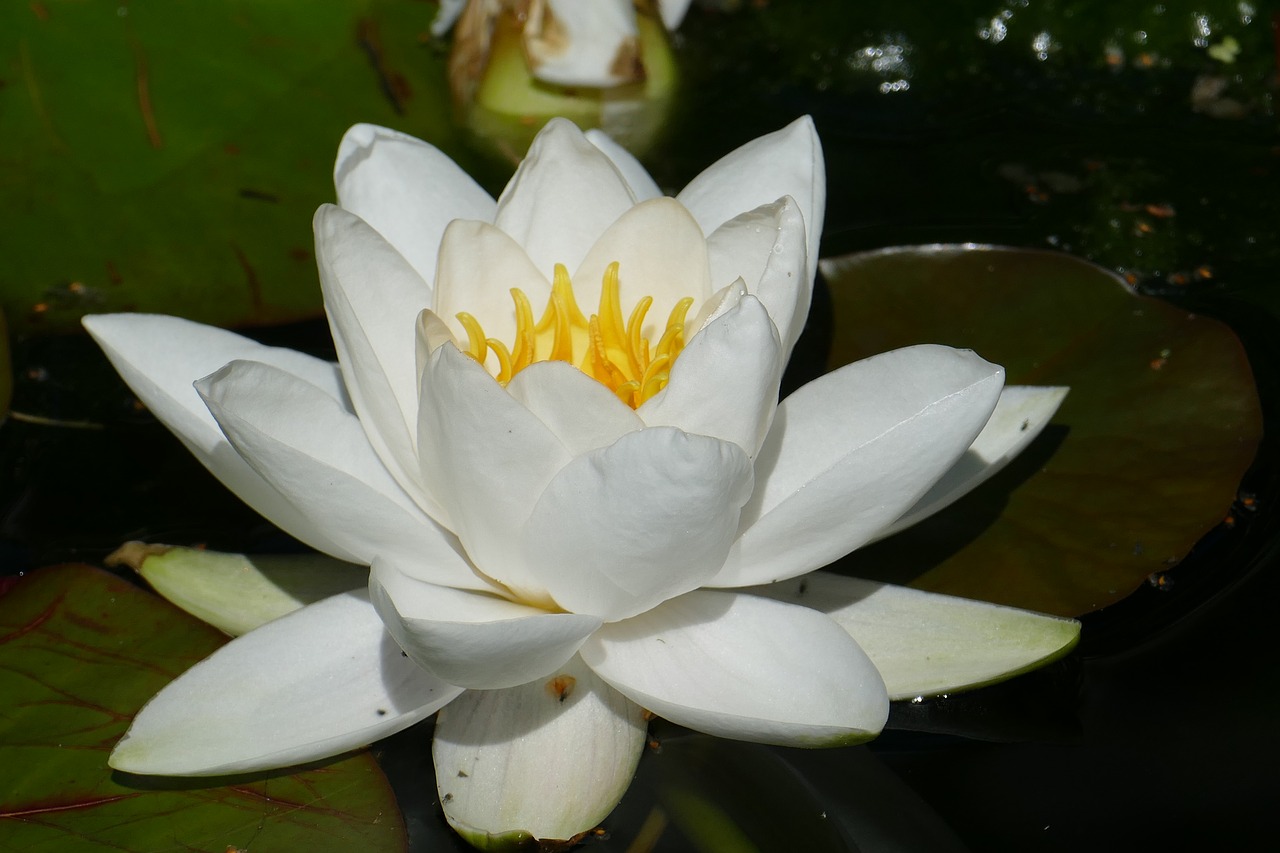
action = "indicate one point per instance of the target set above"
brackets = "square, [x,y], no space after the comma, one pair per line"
[489,458]
[851,451]
[637,177]
[581,412]
[550,758]
[582,42]
[406,189]
[315,453]
[924,643]
[766,248]
[373,298]
[478,266]
[160,357]
[725,383]
[660,253]
[785,162]
[1022,413]
[643,520]
[320,681]
[744,667]
[563,195]
[473,639]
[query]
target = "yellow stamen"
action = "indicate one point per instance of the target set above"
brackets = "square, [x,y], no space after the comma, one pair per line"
[504,361]
[476,346]
[614,353]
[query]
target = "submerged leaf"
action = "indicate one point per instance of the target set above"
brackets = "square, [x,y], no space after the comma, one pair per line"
[1144,457]
[80,651]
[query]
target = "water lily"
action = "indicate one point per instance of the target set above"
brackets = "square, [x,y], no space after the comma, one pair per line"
[602,63]
[553,434]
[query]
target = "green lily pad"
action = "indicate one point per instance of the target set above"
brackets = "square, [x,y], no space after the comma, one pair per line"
[1144,457]
[172,153]
[80,651]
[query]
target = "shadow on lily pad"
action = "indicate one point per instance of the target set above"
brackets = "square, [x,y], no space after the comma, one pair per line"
[1162,422]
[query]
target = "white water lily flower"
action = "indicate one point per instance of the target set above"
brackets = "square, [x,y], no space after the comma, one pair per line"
[572,42]
[565,510]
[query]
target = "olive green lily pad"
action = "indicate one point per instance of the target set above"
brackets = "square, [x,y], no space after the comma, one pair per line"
[1144,457]
[172,152]
[80,651]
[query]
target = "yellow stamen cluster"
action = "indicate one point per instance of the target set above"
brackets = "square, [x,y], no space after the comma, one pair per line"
[604,347]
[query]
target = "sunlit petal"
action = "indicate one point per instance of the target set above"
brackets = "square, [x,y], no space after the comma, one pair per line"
[473,639]
[563,195]
[649,517]
[315,683]
[744,667]
[407,190]
[160,357]
[850,452]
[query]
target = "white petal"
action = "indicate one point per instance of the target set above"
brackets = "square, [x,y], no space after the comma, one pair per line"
[766,248]
[581,412]
[473,639]
[673,12]
[1022,413]
[785,162]
[924,643]
[643,187]
[489,458]
[316,455]
[479,265]
[235,593]
[589,43]
[744,667]
[725,383]
[660,252]
[640,521]
[446,15]
[720,303]
[563,195]
[550,758]
[373,298]
[315,683]
[407,190]
[160,357]
[851,451]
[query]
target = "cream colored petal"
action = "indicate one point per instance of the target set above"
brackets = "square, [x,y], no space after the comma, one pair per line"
[660,252]
[925,644]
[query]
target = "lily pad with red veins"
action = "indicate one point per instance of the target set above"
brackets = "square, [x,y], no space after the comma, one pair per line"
[1144,457]
[80,651]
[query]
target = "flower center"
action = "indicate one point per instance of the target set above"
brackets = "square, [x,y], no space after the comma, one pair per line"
[604,347]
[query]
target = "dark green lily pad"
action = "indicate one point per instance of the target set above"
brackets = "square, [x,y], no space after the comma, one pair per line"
[168,156]
[6,369]
[1144,457]
[80,651]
